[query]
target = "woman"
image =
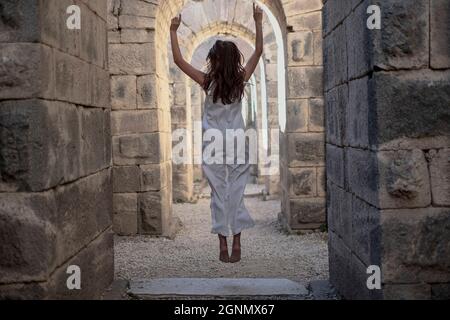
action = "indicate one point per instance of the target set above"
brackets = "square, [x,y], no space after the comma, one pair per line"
[224,84]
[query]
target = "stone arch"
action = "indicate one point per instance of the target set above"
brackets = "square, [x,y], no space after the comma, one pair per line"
[301,143]
[258,79]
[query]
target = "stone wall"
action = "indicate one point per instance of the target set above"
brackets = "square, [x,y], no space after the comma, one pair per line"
[55,150]
[141,131]
[302,143]
[388,147]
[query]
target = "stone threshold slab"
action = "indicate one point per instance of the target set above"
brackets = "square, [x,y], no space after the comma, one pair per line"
[216,288]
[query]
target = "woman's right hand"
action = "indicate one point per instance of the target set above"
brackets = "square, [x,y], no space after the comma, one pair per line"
[175,24]
[257,13]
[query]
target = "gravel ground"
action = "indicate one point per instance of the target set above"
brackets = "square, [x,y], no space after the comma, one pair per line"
[266,250]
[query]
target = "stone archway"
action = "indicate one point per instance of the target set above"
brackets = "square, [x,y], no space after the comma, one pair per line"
[387,153]
[301,143]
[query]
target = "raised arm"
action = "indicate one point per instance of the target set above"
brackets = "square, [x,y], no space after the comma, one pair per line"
[254,59]
[186,67]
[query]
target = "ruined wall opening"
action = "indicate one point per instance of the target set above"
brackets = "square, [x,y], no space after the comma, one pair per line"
[286,96]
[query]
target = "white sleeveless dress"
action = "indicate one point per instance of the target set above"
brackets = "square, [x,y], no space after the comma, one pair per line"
[227,178]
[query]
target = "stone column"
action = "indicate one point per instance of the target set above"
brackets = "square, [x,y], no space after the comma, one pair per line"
[302,169]
[181,118]
[388,147]
[142,172]
[196,108]
[55,151]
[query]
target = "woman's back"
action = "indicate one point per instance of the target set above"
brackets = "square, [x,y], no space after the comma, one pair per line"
[218,115]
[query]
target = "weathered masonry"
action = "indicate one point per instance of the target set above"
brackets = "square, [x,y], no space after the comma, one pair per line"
[55,150]
[86,118]
[387,98]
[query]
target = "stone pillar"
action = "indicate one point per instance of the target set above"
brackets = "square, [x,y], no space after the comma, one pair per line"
[181,118]
[141,134]
[302,169]
[196,108]
[55,151]
[388,147]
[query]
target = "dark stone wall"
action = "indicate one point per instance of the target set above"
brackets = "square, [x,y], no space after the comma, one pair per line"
[387,97]
[55,150]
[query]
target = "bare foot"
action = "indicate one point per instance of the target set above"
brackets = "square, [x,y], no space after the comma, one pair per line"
[223,247]
[236,252]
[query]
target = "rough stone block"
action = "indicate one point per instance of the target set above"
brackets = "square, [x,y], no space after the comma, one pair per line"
[126,179]
[397,119]
[98,6]
[113,7]
[28,239]
[304,82]
[94,140]
[336,114]
[125,213]
[84,211]
[335,58]
[135,121]
[99,81]
[303,182]
[321,182]
[72,79]
[146,90]
[419,291]
[296,7]
[138,8]
[107,132]
[96,262]
[144,148]
[340,265]
[182,185]
[316,115]
[318,48]
[404,40]
[123,92]
[404,179]
[300,48]
[440,34]
[31,149]
[359,290]
[19,21]
[358,127]
[131,59]
[307,210]
[153,212]
[335,164]
[178,115]
[93,38]
[114,36]
[155,177]
[415,245]
[366,232]
[136,22]
[26,71]
[305,149]
[297,115]
[334,12]
[362,174]
[306,21]
[359,42]
[137,36]
[24,291]
[179,93]
[440,176]
[440,291]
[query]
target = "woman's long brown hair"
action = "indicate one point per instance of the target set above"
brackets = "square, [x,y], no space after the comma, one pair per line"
[225,72]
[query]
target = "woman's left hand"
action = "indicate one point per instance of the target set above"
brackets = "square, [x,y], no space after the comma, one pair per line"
[175,24]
